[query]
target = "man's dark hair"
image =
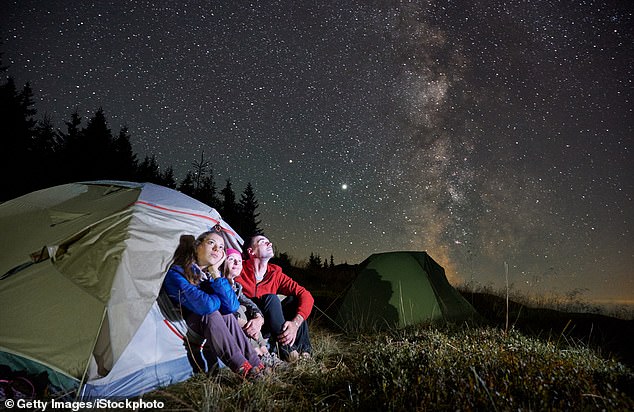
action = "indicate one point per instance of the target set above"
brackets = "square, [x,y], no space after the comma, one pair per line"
[249,243]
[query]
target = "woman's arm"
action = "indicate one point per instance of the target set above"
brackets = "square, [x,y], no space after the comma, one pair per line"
[181,292]
[252,309]
[255,318]
[227,297]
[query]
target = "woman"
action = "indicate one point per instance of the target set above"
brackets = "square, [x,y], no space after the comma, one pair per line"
[208,302]
[249,316]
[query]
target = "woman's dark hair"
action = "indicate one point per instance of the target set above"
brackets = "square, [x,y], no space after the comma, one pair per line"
[185,254]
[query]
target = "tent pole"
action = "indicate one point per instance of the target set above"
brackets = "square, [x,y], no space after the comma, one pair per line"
[84,376]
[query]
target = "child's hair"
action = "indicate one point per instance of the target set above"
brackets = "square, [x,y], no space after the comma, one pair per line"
[185,254]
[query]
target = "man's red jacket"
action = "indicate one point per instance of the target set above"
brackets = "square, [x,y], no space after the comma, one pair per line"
[274,282]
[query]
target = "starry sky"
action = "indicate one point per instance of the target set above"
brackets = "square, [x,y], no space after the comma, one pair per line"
[483,132]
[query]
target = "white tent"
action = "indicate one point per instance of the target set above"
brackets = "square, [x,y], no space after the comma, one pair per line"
[81,266]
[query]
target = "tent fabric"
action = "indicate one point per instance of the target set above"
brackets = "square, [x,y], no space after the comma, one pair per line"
[396,289]
[141,372]
[80,272]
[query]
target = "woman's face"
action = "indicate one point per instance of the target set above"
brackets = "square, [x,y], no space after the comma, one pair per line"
[234,266]
[211,251]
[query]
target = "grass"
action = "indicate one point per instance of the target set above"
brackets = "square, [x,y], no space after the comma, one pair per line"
[486,369]
[608,336]
[422,368]
[544,360]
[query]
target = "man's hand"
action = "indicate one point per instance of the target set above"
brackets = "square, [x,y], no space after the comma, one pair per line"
[289,333]
[253,327]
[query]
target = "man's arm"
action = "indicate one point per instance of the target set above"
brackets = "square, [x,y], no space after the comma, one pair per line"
[305,299]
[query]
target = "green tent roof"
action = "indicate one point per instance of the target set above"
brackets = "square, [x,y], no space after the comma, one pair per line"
[397,289]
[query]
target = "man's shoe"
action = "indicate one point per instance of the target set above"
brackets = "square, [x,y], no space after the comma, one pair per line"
[272,361]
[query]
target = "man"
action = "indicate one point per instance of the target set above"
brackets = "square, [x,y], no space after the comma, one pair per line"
[284,322]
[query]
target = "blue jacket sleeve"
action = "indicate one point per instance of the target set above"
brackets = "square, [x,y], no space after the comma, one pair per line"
[228,299]
[181,292]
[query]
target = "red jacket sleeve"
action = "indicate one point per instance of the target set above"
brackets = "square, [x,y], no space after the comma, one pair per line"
[289,287]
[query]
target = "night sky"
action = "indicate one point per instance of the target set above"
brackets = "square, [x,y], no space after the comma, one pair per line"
[483,132]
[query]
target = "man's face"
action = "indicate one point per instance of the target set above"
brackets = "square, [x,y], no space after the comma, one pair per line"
[261,248]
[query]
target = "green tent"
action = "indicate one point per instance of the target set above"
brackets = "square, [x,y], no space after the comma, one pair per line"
[397,289]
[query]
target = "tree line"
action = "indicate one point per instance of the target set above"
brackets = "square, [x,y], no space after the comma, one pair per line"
[37,155]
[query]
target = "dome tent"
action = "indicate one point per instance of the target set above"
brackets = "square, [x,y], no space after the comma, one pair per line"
[80,270]
[396,289]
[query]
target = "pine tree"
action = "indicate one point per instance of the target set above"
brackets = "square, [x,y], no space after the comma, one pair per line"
[248,222]
[206,191]
[17,128]
[148,170]
[126,163]
[98,156]
[200,168]
[187,185]
[167,178]
[45,148]
[72,128]
[314,262]
[200,184]
[45,139]
[229,207]
[71,149]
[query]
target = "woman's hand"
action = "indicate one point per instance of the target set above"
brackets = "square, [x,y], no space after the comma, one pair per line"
[214,270]
[253,327]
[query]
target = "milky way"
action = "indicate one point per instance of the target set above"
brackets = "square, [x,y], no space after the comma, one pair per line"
[481,132]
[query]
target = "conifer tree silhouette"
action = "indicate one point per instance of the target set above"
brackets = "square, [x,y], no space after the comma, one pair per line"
[98,155]
[71,149]
[248,222]
[148,170]
[16,133]
[168,179]
[229,207]
[206,191]
[93,153]
[187,185]
[125,161]
[45,149]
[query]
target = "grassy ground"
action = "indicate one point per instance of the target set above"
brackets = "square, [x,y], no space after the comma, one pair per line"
[544,360]
[446,367]
[608,336]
